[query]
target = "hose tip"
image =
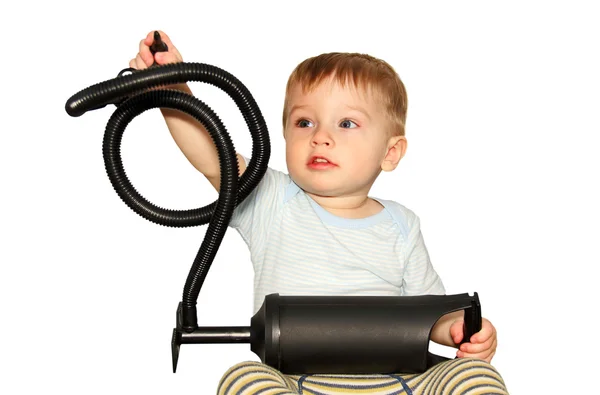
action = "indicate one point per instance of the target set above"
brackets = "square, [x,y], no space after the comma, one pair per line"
[158,45]
[72,108]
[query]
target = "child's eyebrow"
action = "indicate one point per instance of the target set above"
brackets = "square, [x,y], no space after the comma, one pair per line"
[360,109]
[298,107]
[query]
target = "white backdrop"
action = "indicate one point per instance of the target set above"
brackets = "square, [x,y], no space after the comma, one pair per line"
[502,169]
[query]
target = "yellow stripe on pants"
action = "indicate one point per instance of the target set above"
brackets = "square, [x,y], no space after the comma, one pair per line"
[457,376]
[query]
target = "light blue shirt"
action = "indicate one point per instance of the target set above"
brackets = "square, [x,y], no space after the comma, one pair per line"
[299,248]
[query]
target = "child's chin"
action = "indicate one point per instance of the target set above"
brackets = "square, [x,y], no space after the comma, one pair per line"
[321,190]
[317,185]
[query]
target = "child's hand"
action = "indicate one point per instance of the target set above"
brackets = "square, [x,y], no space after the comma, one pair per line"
[482,344]
[144,58]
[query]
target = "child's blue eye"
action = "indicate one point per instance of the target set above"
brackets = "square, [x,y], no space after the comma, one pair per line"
[303,123]
[348,124]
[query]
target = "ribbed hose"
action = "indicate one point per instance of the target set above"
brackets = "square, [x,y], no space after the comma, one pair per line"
[232,192]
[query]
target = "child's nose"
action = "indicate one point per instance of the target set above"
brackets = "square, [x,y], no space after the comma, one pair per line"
[321,137]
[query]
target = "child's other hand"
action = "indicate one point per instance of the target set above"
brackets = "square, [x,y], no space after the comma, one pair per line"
[482,344]
[144,58]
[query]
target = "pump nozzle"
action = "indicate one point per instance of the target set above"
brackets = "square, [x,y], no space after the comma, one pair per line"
[158,45]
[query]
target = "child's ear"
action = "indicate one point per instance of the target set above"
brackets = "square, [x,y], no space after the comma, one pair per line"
[396,149]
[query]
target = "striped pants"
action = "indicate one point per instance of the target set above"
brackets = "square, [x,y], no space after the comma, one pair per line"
[457,376]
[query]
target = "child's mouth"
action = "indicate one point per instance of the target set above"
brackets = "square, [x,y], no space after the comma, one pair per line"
[320,164]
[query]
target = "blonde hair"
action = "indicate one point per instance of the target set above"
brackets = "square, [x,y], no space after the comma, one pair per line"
[362,71]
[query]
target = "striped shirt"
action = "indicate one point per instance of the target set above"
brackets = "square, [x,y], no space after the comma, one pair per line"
[299,248]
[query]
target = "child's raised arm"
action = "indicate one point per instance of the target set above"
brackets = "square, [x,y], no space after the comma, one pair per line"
[189,134]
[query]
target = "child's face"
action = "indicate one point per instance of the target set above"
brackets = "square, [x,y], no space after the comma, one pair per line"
[343,125]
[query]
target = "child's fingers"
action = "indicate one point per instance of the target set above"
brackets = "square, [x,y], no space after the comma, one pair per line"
[145,54]
[481,336]
[487,331]
[474,348]
[456,331]
[165,38]
[486,355]
[137,63]
[166,58]
[149,38]
[145,59]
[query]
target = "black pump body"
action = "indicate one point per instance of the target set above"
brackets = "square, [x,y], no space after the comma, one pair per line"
[295,334]
[342,334]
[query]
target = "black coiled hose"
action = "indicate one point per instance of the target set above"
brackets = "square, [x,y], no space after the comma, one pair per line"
[125,92]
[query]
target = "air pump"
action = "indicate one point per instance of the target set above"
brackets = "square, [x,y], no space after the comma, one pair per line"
[294,334]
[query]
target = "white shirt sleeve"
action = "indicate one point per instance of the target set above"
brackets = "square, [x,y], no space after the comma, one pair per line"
[420,278]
